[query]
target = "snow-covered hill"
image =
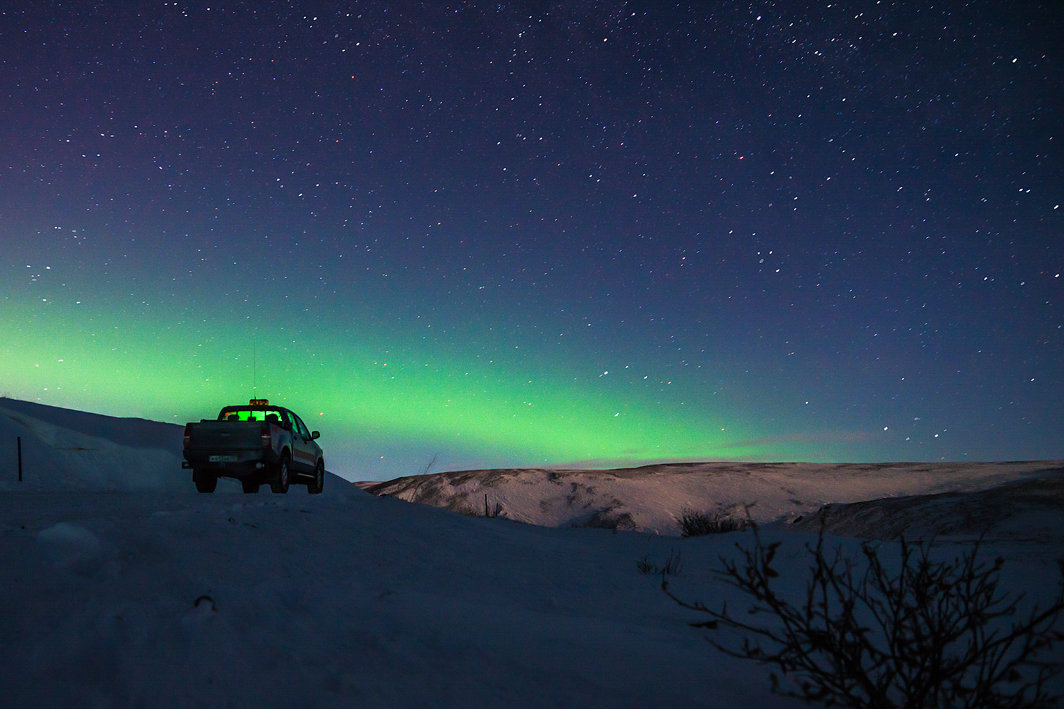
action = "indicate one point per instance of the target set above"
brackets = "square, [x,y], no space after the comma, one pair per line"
[653,498]
[115,597]
[75,450]
[1026,510]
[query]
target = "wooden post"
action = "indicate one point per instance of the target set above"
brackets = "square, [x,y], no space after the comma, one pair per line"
[19,445]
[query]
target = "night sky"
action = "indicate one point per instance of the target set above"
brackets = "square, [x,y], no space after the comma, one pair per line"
[485,234]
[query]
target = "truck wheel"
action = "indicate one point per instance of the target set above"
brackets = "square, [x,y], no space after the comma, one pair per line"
[279,484]
[314,486]
[205,483]
[250,486]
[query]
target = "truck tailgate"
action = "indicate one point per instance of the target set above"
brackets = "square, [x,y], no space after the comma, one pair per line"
[225,436]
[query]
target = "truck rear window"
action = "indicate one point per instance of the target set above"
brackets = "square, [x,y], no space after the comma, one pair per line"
[251,415]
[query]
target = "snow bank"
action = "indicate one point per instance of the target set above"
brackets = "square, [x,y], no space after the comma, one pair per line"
[344,599]
[74,450]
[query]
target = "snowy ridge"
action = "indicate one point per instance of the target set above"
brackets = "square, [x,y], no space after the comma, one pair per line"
[74,450]
[652,498]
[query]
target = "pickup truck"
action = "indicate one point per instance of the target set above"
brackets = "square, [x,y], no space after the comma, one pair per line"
[255,444]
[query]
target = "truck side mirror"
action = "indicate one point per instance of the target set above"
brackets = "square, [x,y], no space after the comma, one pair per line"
[315,434]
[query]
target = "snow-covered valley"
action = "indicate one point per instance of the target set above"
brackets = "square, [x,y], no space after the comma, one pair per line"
[654,498]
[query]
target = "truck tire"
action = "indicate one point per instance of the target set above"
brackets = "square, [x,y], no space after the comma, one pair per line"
[205,482]
[250,487]
[315,486]
[279,484]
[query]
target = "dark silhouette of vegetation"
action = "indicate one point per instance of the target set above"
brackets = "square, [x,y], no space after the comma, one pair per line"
[697,524]
[491,512]
[672,567]
[866,633]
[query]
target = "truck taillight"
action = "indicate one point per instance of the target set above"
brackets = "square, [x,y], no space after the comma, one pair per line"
[267,441]
[188,435]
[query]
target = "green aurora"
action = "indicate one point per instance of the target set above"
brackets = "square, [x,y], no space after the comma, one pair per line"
[504,407]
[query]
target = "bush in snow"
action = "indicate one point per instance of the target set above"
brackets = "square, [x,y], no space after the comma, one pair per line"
[672,567]
[925,633]
[697,524]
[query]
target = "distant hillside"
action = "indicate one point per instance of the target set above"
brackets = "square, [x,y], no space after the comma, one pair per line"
[653,498]
[1027,510]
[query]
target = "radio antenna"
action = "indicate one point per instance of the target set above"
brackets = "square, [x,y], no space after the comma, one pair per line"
[254,384]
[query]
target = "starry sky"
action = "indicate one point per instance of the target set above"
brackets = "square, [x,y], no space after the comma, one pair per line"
[484,234]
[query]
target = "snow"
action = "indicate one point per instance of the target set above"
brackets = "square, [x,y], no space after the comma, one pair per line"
[128,589]
[73,450]
[133,598]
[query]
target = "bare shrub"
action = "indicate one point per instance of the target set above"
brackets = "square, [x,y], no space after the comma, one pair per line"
[925,634]
[697,524]
[672,567]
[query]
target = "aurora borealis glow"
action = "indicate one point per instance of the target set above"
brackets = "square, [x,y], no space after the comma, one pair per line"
[518,234]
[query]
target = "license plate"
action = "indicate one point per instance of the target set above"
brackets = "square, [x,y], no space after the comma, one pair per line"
[222,459]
